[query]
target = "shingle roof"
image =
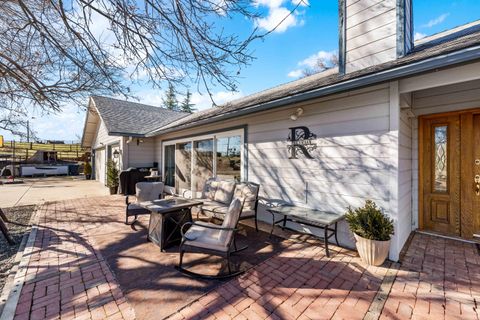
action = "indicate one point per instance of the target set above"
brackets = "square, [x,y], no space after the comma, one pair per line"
[126,117]
[465,38]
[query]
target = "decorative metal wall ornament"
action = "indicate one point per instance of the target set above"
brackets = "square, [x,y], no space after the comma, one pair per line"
[301,139]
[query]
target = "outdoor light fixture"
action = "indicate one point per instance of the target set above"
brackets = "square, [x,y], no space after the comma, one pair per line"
[116,153]
[294,116]
[139,141]
[129,139]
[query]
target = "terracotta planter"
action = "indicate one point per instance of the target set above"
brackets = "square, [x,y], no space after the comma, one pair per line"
[372,252]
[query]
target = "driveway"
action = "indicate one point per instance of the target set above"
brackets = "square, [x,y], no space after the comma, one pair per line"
[39,190]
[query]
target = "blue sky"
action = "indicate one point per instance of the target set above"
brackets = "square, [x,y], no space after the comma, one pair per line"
[312,31]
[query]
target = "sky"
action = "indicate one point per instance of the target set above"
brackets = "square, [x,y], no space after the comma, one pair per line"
[296,43]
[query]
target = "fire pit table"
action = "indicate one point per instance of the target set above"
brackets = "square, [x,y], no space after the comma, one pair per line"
[167,217]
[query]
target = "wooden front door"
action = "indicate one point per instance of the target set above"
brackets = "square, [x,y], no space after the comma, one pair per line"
[449,168]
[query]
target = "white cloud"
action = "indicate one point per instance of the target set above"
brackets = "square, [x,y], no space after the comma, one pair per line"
[268,3]
[436,21]
[295,73]
[418,36]
[301,3]
[280,16]
[311,62]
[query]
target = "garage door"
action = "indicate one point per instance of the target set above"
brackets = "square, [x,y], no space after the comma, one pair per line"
[100,165]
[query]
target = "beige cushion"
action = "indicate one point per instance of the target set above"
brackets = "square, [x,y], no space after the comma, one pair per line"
[209,189]
[214,239]
[204,238]
[231,220]
[224,191]
[248,193]
[148,191]
[214,207]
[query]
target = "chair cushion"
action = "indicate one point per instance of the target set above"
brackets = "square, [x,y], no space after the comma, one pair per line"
[214,207]
[248,193]
[224,192]
[135,210]
[148,191]
[231,220]
[209,189]
[200,237]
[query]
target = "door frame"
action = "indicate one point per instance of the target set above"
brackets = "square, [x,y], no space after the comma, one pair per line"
[466,198]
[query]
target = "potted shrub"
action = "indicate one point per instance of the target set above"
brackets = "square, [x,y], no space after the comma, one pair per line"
[87,170]
[112,176]
[372,230]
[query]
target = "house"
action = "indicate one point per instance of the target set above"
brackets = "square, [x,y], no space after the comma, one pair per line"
[398,122]
[116,130]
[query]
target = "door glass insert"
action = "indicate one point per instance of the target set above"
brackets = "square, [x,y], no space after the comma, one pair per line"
[229,157]
[183,166]
[440,158]
[169,166]
[203,163]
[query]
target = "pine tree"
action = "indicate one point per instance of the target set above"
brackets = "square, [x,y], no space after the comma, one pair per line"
[186,105]
[170,101]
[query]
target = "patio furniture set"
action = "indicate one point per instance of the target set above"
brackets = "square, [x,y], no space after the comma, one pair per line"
[171,221]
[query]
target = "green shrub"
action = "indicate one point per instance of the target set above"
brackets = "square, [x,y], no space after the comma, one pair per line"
[369,222]
[112,174]
[87,169]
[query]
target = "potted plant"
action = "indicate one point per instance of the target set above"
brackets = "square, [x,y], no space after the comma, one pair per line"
[372,230]
[87,170]
[112,176]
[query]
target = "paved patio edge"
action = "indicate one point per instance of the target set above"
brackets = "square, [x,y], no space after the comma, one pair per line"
[16,286]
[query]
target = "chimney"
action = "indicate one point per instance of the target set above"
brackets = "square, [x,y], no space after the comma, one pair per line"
[373,32]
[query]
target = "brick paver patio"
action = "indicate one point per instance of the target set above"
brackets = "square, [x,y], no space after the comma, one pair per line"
[67,277]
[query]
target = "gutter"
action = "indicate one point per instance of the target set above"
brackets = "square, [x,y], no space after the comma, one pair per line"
[442,61]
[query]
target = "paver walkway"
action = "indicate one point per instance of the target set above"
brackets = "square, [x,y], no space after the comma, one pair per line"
[65,275]
[438,279]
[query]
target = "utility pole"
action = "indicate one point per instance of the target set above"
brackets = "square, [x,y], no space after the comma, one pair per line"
[28,130]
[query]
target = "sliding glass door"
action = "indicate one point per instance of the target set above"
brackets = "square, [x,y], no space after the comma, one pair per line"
[199,158]
[203,163]
[169,165]
[228,157]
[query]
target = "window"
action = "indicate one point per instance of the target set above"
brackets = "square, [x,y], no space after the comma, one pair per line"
[188,163]
[440,161]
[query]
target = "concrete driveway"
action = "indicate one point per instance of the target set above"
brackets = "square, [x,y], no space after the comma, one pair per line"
[39,190]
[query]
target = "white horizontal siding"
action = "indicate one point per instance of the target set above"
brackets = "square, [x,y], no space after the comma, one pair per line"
[371,33]
[143,154]
[102,138]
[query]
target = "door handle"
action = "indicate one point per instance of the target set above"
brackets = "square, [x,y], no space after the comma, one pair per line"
[477,185]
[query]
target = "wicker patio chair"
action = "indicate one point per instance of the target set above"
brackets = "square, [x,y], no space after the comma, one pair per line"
[144,191]
[209,238]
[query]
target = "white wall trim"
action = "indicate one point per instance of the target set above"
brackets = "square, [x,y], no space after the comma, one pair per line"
[441,78]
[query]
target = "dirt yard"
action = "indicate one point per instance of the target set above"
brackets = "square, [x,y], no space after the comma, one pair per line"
[18,224]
